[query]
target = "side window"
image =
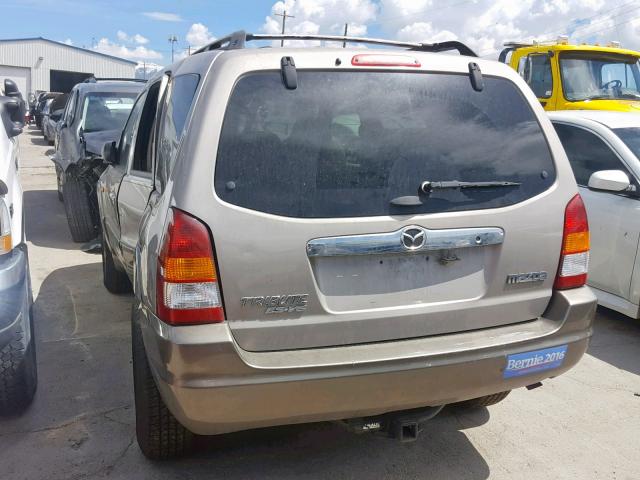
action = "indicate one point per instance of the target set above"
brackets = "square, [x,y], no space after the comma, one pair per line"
[71,106]
[537,73]
[587,153]
[128,134]
[522,65]
[623,72]
[178,100]
[142,163]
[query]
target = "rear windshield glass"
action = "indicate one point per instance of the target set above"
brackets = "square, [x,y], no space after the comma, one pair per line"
[106,111]
[345,144]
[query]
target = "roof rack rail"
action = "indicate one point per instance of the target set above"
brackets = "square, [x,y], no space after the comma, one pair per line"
[238,40]
[93,79]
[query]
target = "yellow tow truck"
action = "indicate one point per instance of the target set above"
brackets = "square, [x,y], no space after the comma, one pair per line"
[578,77]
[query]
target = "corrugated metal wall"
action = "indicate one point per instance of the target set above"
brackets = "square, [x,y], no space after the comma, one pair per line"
[42,56]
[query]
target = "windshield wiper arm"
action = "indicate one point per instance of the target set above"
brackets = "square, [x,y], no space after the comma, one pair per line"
[427,187]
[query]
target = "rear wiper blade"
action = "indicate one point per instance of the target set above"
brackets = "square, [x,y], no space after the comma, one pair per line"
[427,186]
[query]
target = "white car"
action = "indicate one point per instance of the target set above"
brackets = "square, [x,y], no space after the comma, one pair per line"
[18,374]
[604,152]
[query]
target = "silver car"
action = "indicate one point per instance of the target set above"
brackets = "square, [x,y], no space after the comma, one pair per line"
[329,234]
[604,152]
[18,366]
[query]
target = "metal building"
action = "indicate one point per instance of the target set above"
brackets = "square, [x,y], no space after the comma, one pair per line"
[39,64]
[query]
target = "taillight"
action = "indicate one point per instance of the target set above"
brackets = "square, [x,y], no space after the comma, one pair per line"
[187,288]
[574,260]
[384,60]
[5,228]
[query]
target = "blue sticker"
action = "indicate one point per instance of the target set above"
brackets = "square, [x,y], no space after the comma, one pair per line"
[535,361]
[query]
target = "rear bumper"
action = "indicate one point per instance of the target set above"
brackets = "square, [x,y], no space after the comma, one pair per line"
[212,386]
[14,296]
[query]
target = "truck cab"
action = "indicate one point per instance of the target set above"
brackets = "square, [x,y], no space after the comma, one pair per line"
[578,77]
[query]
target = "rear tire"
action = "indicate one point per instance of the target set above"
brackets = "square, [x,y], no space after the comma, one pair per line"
[18,374]
[77,205]
[160,436]
[485,401]
[114,280]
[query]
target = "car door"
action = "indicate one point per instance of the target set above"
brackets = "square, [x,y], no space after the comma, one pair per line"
[614,218]
[66,137]
[109,182]
[137,182]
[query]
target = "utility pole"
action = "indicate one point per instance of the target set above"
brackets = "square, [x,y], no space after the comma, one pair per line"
[284,21]
[172,40]
[144,66]
[346,29]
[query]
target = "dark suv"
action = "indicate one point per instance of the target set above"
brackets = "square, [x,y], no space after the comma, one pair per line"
[95,113]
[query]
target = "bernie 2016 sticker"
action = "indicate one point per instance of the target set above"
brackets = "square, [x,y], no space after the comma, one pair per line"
[526,363]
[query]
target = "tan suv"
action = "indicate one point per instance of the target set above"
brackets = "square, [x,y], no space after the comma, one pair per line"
[340,234]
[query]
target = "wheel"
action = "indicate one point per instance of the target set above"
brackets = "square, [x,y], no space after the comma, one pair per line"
[18,373]
[160,436]
[77,205]
[114,280]
[59,182]
[485,401]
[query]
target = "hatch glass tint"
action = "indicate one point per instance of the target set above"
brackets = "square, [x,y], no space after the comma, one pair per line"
[346,144]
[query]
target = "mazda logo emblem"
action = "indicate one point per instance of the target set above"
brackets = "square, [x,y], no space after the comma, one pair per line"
[413,238]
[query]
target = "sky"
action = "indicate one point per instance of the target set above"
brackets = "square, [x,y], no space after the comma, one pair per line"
[141,30]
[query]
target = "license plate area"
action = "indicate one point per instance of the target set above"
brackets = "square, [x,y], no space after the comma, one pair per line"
[379,281]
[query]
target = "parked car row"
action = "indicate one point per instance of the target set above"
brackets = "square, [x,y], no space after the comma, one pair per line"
[322,234]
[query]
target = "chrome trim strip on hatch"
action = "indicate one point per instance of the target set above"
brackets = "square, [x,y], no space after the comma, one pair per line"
[411,239]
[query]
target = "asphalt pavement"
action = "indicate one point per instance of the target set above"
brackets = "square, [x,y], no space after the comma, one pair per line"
[582,425]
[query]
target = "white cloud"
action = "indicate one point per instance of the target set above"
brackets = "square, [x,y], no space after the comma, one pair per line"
[483,24]
[146,70]
[423,32]
[163,16]
[140,40]
[68,41]
[199,35]
[137,38]
[322,16]
[486,24]
[140,52]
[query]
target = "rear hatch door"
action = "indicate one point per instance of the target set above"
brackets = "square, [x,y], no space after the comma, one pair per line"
[322,235]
